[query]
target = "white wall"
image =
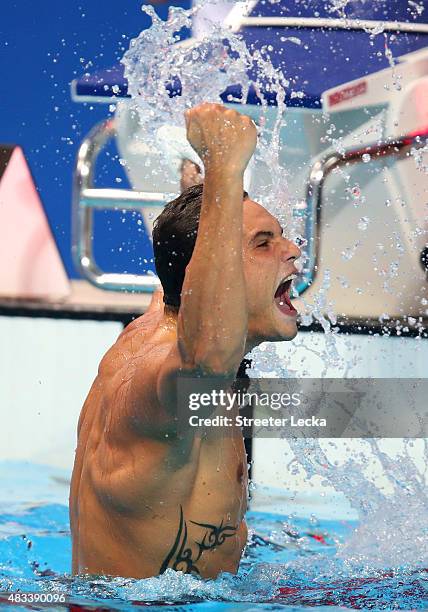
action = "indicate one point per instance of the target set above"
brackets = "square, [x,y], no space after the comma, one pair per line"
[46,369]
[358,356]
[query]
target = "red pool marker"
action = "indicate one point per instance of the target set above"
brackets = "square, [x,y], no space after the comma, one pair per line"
[30,264]
[318,537]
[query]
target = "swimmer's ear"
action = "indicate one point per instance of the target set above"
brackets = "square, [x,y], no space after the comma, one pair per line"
[156,301]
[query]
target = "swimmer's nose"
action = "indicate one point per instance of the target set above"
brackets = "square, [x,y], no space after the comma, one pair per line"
[290,251]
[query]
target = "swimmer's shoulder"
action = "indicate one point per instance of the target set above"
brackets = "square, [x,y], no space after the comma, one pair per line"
[137,357]
[148,321]
[136,340]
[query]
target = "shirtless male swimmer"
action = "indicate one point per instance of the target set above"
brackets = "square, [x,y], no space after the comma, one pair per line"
[143,500]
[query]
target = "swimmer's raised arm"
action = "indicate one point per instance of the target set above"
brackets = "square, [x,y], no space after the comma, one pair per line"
[212,321]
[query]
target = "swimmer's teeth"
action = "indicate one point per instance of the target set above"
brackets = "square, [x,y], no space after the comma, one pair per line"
[286,279]
[290,277]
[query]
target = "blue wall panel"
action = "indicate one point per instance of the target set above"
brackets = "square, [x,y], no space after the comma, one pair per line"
[43,46]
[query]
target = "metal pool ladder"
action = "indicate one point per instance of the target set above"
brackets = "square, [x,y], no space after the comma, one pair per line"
[87,199]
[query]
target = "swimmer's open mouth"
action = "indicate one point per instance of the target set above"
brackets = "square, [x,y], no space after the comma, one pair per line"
[282,296]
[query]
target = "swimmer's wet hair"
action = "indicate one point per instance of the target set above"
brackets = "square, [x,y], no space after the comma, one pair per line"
[174,238]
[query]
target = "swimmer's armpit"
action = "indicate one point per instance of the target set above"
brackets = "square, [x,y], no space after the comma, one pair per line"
[182,558]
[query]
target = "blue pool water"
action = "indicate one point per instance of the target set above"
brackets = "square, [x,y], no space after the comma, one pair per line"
[290,562]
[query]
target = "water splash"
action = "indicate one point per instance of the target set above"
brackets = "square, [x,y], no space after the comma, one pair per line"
[158,69]
[420,157]
[393,522]
[167,77]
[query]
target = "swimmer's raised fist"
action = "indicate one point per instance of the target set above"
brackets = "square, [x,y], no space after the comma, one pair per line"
[224,139]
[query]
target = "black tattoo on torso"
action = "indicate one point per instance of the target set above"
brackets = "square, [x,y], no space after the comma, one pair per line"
[182,558]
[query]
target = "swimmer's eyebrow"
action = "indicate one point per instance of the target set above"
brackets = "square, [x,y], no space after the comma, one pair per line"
[265,234]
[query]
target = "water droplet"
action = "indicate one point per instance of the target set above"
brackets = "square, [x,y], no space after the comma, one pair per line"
[363,223]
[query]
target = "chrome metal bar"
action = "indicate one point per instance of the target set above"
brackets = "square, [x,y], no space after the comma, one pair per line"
[127,198]
[397,147]
[86,199]
[335,24]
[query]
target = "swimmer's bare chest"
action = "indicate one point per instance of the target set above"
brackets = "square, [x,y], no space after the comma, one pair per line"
[190,519]
[140,506]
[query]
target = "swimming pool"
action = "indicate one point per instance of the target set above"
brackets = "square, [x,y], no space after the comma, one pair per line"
[290,562]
